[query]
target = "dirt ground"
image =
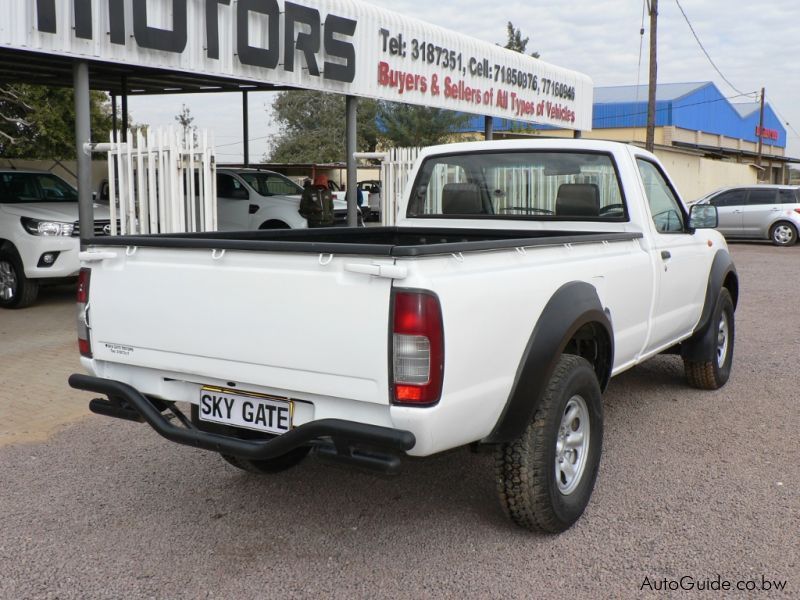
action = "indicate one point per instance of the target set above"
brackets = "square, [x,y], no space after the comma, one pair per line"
[692,484]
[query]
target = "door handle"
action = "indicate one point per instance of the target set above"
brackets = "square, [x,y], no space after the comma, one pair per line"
[736,212]
[666,255]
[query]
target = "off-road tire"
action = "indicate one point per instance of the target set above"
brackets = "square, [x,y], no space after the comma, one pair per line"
[27,290]
[709,374]
[526,468]
[272,465]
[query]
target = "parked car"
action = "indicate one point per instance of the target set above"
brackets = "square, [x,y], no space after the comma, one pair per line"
[767,212]
[521,277]
[39,234]
[257,199]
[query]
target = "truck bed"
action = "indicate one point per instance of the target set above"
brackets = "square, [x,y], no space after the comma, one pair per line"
[376,241]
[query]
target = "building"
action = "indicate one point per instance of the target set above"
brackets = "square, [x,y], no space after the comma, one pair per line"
[704,139]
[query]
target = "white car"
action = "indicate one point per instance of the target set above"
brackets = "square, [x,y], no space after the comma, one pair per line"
[522,276]
[256,199]
[39,235]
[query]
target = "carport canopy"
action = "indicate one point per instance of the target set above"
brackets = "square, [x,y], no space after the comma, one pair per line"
[137,47]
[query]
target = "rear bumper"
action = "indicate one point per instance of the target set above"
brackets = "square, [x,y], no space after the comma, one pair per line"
[347,441]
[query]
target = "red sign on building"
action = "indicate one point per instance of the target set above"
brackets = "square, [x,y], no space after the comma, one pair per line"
[770,134]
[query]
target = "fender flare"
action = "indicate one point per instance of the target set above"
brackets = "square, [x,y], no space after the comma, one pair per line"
[573,305]
[703,339]
[8,246]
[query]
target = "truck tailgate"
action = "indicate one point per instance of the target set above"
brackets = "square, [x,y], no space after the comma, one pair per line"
[287,321]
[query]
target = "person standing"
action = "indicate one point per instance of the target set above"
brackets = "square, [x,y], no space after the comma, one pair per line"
[316,203]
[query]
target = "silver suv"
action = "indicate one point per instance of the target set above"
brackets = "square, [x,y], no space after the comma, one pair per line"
[769,212]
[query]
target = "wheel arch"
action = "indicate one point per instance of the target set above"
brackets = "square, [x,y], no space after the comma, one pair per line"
[573,322]
[8,246]
[722,275]
[274,223]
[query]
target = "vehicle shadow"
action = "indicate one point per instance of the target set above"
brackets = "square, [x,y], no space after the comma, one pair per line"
[56,294]
[452,488]
[156,486]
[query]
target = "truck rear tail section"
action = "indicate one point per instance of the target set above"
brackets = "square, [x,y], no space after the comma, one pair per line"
[279,323]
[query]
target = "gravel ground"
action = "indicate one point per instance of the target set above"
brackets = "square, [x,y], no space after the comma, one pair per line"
[691,483]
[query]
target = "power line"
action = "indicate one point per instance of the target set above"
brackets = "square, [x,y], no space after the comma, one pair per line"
[777,112]
[694,33]
[257,139]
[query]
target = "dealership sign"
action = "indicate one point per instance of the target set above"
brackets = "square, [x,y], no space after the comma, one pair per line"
[337,46]
[768,134]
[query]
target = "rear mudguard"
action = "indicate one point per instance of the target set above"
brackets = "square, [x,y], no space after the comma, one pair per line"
[574,305]
[704,341]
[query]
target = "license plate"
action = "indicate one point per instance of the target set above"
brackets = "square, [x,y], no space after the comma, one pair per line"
[245,409]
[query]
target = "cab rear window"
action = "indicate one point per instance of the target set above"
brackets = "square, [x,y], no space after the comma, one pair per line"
[519,185]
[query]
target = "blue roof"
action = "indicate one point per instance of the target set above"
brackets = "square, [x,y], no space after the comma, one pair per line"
[698,106]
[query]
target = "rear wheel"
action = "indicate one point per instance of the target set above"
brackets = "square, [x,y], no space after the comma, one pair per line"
[713,372]
[272,465]
[16,290]
[545,478]
[783,234]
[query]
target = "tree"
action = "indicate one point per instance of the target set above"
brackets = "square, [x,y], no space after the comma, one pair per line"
[312,126]
[515,41]
[13,109]
[185,120]
[405,125]
[39,122]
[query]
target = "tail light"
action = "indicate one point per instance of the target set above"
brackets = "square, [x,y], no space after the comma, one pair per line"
[417,349]
[84,345]
[797,210]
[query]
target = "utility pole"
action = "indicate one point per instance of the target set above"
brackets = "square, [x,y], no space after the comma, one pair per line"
[760,134]
[651,98]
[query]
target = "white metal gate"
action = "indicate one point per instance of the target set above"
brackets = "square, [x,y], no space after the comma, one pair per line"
[161,182]
[394,177]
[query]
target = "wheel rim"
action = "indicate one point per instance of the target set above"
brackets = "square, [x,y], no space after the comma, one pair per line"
[572,445]
[723,338]
[782,234]
[8,281]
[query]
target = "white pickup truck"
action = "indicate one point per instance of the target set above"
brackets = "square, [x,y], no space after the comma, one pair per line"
[38,234]
[521,277]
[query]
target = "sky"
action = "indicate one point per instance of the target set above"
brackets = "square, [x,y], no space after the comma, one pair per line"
[753,44]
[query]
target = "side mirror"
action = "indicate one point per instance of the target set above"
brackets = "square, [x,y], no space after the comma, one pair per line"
[703,216]
[239,194]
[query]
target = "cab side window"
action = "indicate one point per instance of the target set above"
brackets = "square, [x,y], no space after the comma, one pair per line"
[789,196]
[760,197]
[277,186]
[732,198]
[665,208]
[230,187]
